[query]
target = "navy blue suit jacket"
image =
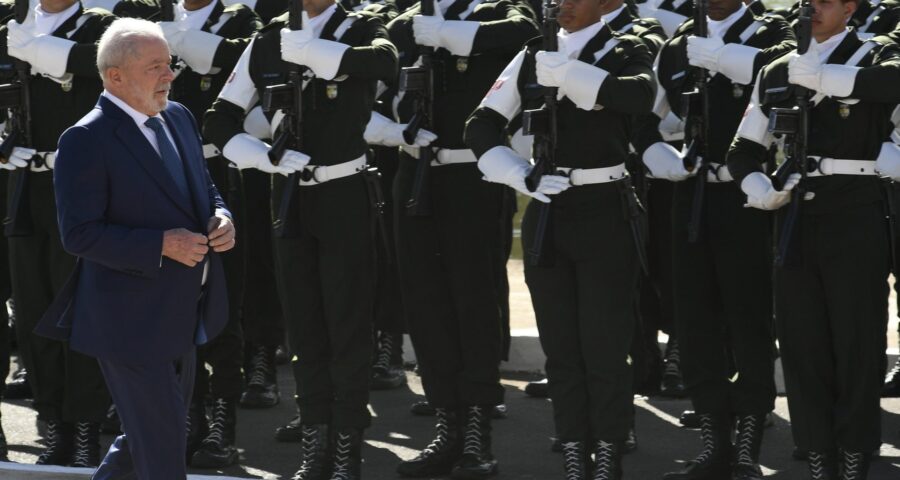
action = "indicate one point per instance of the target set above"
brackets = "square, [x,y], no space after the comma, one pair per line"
[115,198]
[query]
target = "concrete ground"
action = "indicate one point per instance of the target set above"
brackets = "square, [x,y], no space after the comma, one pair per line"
[521,442]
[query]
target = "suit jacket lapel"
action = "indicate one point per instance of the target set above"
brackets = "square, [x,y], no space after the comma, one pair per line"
[195,177]
[144,153]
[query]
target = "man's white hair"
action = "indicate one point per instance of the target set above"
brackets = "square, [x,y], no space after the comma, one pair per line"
[121,40]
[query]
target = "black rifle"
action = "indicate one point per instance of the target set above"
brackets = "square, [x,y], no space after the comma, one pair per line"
[16,97]
[793,123]
[695,108]
[542,124]
[287,97]
[419,82]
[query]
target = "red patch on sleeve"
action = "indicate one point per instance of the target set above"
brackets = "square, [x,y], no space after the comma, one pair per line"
[230,77]
[495,86]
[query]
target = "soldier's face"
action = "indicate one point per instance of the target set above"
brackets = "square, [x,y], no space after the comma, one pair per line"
[575,15]
[721,9]
[830,17]
[315,7]
[54,6]
[144,81]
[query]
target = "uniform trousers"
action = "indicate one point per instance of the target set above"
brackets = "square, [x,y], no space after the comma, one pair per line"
[67,385]
[723,302]
[585,310]
[448,270]
[326,276]
[831,304]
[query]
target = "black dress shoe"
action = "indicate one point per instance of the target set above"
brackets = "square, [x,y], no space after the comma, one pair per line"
[422,408]
[18,388]
[290,433]
[689,419]
[538,389]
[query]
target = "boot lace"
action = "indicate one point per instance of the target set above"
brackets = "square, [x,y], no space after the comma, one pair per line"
[216,433]
[852,466]
[82,444]
[748,431]
[573,456]
[342,448]
[604,459]
[818,465]
[260,366]
[385,348]
[472,443]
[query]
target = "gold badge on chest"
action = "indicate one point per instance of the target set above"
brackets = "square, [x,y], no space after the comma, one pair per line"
[205,83]
[331,91]
[462,64]
[66,86]
[844,111]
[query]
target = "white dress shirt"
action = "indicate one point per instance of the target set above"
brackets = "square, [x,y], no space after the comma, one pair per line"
[139,120]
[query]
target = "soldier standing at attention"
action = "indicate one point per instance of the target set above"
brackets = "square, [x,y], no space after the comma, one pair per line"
[831,292]
[584,291]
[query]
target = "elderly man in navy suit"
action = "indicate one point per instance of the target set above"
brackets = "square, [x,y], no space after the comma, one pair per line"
[137,207]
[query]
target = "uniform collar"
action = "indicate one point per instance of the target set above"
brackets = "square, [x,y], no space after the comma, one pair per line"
[195,19]
[718,28]
[827,48]
[618,18]
[47,23]
[573,43]
[317,24]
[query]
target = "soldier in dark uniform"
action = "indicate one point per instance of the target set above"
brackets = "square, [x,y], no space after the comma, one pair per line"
[831,293]
[6,9]
[326,260]
[208,38]
[584,302]
[59,41]
[449,260]
[724,330]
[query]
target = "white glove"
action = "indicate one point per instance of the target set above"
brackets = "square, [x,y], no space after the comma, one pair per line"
[762,195]
[575,79]
[48,55]
[457,36]
[383,131]
[703,52]
[501,165]
[833,80]
[323,57]
[665,162]
[195,47]
[256,123]
[247,151]
[888,162]
[19,158]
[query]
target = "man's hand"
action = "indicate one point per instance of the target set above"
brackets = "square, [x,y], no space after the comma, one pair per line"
[184,246]
[221,233]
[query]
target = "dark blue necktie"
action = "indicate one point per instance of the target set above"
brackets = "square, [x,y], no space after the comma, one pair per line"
[169,155]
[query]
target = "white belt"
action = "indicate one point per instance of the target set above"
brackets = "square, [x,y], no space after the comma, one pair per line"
[210,151]
[48,157]
[315,174]
[444,156]
[838,166]
[718,173]
[588,176]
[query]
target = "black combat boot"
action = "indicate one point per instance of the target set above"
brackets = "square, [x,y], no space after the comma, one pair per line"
[315,460]
[197,427]
[714,462]
[86,450]
[672,383]
[262,387]
[822,465]
[291,432]
[217,450]
[891,386]
[476,461]
[59,439]
[438,457]
[347,457]
[853,465]
[387,369]
[746,447]
[607,461]
[576,461]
